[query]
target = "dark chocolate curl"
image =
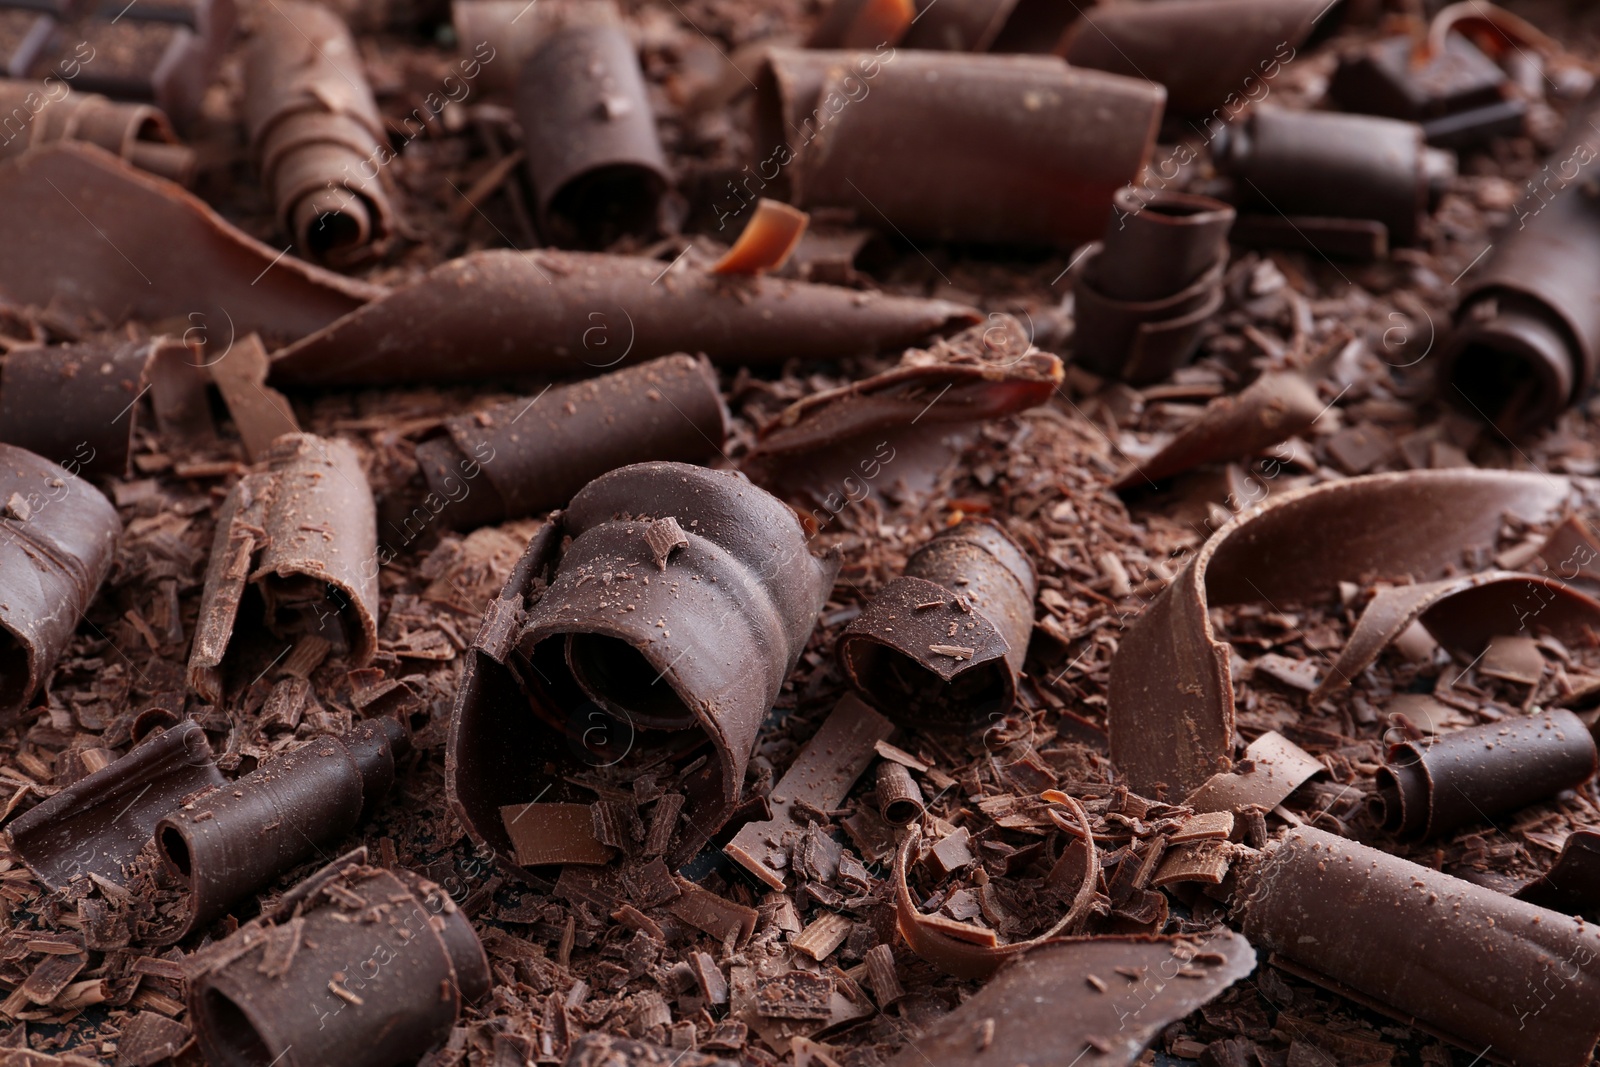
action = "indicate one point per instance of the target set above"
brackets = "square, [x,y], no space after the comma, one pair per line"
[1460,961]
[1572,884]
[139,133]
[1526,342]
[301,530]
[535,453]
[360,967]
[499,314]
[237,839]
[1042,146]
[1448,780]
[316,131]
[944,643]
[900,799]
[98,824]
[593,154]
[1143,293]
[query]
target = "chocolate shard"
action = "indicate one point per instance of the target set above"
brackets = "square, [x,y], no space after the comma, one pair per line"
[594,156]
[1526,341]
[1457,94]
[819,778]
[1455,959]
[1273,767]
[260,413]
[535,453]
[1143,293]
[499,313]
[299,534]
[98,824]
[316,132]
[1043,145]
[233,841]
[609,1050]
[67,202]
[1080,1002]
[767,240]
[1208,53]
[140,133]
[618,658]
[1170,716]
[360,966]
[1572,884]
[943,644]
[1433,786]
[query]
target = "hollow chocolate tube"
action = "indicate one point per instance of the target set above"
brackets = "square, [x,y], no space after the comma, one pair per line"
[953,147]
[234,840]
[899,797]
[316,132]
[1460,961]
[944,643]
[535,453]
[358,966]
[1451,779]
[139,133]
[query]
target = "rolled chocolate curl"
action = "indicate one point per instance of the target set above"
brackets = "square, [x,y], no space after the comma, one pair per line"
[1042,146]
[316,131]
[359,966]
[1142,295]
[237,839]
[1572,884]
[593,153]
[1451,779]
[899,797]
[301,532]
[535,453]
[1460,961]
[498,314]
[732,595]
[139,133]
[1526,341]
[943,644]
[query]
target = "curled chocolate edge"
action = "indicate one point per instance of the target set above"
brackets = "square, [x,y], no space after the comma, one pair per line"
[141,134]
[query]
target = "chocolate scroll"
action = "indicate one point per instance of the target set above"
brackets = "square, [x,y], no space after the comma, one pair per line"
[681,603]
[357,966]
[300,535]
[139,133]
[535,453]
[943,644]
[497,314]
[235,840]
[316,131]
[1431,787]
[1042,147]
[1458,960]
[1572,884]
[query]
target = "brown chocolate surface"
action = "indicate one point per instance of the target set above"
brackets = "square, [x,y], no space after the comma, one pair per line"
[140,133]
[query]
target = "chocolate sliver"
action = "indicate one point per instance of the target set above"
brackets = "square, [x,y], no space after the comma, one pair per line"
[260,413]
[553,833]
[767,240]
[1278,767]
[139,133]
[1572,884]
[609,1050]
[500,314]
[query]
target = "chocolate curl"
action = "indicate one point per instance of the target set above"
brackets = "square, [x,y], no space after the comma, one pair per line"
[1142,294]
[316,131]
[234,841]
[1526,341]
[1100,1001]
[593,153]
[358,966]
[139,133]
[98,824]
[1455,959]
[301,531]
[1170,716]
[66,203]
[1039,147]
[899,797]
[1206,52]
[1572,884]
[535,453]
[587,662]
[767,241]
[498,314]
[943,644]
[863,23]
[1465,776]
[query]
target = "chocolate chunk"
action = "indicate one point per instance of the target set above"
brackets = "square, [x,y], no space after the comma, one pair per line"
[1459,960]
[1572,884]
[899,797]
[1042,146]
[316,130]
[943,644]
[492,314]
[235,840]
[359,966]
[140,133]
[1433,786]
[1457,94]
[535,453]
[299,535]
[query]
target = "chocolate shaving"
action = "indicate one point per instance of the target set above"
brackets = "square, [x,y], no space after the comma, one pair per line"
[1572,884]
[260,413]
[609,1050]
[553,833]
[766,242]
[139,133]
[704,910]
[1272,768]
